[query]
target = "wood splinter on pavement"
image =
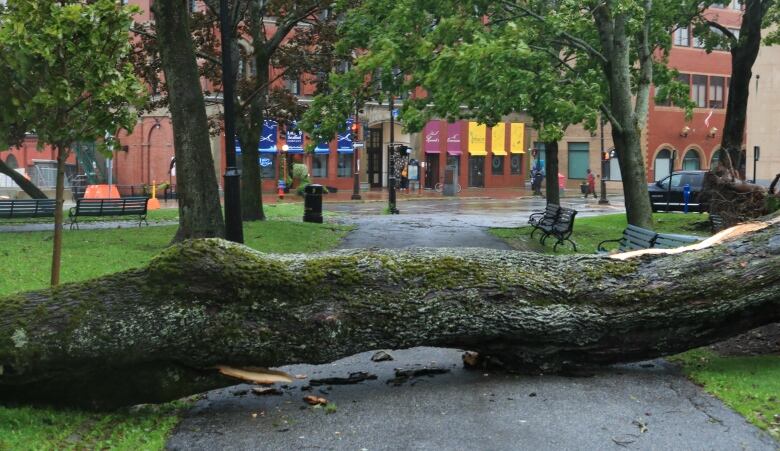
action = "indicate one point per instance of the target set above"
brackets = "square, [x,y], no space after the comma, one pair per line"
[257,375]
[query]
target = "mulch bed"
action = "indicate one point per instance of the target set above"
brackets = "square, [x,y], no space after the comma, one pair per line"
[761,341]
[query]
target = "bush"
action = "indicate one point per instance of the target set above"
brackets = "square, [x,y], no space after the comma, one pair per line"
[300,172]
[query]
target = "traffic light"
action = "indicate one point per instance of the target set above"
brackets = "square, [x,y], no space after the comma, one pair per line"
[355,131]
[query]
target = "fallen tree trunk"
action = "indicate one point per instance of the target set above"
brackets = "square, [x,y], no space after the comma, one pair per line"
[159,332]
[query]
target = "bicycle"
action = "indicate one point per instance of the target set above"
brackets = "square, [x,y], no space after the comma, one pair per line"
[439,187]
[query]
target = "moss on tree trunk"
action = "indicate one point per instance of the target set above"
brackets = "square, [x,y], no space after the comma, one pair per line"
[155,333]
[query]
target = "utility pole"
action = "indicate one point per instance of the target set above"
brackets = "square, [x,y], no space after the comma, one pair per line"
[234,230]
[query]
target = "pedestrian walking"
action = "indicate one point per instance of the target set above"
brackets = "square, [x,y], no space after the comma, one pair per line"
[591,184]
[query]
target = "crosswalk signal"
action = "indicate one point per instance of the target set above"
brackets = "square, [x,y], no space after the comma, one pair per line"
[605,155]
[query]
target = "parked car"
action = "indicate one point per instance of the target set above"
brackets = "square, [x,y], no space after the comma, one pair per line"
[666,198]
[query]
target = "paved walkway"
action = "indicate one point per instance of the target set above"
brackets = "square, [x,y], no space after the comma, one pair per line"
[645,406]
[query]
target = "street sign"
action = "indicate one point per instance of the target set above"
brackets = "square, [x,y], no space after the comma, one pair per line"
[358,144]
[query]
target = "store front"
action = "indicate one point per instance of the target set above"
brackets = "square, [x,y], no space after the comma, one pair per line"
[374,157]
[432,145]
[477,148]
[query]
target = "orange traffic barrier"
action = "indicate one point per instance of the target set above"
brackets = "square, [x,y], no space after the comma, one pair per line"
[153,203]
[101,192]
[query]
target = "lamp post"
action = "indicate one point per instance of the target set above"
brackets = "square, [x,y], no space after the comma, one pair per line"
[356,155]
[285,148]
[391,204]
[234,230]
[604,162]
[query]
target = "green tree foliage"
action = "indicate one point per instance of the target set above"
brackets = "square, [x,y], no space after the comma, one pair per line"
[273,41]
[67,60]
[563,62]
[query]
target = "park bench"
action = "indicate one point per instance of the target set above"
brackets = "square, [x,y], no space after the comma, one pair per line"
[636,238]
[561,229]
[27,208]
[126,206]
[544,218]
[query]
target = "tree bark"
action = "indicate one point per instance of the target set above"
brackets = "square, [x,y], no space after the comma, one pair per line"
[551,168]
[26,185]
[250,126]
[626,121]
[156,333]
[56,255]
[743,55]
[200,214]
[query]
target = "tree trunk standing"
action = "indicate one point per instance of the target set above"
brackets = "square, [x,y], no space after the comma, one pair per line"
[743,54]
[200,214]
[56,255]
[26,185]
[250,126]
[626,121]
[156,333]
[551,167]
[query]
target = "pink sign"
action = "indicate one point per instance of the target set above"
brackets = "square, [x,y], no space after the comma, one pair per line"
[454,136]
[432,136]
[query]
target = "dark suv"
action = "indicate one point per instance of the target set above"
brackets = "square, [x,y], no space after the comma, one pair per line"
[666,198]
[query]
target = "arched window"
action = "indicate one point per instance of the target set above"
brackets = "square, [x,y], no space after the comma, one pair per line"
[714,160]
[691,161]
[11,162]
[663,164]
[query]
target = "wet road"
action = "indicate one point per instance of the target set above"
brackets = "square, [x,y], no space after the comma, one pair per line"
[645,406]
[447,223]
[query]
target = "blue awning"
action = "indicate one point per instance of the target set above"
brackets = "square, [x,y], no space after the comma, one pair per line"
[345,150]
[322,148]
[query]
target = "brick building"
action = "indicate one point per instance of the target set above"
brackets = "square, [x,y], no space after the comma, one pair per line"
[671,141]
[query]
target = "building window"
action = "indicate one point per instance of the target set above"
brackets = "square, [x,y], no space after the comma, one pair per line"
[320,165]
[698,42]
[578,160]
[293,84]
[345,164]
[735,4]
[691,161]
[268,165]
[193,6]
[516,164]
[699,92]
[735,32]
[716,92]
[498,165]
[663,164]
[682,37]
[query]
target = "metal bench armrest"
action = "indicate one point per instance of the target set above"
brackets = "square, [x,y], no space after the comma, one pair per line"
[601,248]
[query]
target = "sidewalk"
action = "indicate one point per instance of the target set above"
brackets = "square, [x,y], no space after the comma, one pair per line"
[381,194]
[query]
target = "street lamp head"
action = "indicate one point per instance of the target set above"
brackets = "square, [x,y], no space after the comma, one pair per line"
[285,147]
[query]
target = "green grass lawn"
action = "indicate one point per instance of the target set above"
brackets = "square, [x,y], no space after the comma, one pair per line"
[590,231]
[26,262]
[750,385]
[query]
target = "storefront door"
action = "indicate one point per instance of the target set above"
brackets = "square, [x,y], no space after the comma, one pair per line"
[431,170]
[374,156]
[477,172]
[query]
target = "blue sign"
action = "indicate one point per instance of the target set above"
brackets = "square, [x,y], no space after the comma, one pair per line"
[345,138]
[266,162]
[268,137]
[686,196]
[294,139]
[238,147]
[395,113]
[322,148]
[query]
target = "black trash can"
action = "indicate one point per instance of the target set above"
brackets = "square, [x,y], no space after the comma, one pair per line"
[312,203]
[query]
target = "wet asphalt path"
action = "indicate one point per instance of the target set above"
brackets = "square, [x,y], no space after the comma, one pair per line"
[645,406]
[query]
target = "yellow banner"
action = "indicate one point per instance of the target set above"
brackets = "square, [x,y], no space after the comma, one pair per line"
[498,143]
[477,139]
[517,138]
